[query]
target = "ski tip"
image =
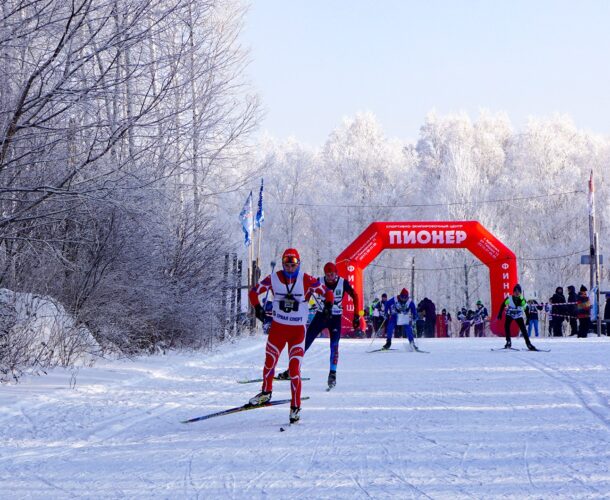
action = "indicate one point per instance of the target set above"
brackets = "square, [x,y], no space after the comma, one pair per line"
[282,429]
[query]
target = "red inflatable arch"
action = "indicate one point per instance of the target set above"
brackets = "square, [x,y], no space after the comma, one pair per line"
[500,260]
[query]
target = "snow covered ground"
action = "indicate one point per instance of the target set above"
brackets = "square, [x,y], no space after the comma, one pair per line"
[460,422]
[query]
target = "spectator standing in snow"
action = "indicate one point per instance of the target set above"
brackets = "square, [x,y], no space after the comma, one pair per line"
[446,322]
[531,313]
[515,311]
[583,313]
[571,310]
[430,316]
[558,312]
[291,290]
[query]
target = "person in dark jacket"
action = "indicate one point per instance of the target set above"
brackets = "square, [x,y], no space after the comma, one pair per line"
[557,312]
[430,316]
[571,310]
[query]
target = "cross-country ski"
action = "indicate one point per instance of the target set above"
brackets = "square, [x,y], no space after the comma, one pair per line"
[255,380]
[238,409]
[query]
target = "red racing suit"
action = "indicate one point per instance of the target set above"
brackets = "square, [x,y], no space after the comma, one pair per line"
[290,310]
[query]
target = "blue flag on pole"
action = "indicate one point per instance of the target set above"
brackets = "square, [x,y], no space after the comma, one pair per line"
[260,213]
[245,217]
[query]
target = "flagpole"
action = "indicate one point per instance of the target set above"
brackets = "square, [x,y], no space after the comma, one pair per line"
[258,254]
[260,217]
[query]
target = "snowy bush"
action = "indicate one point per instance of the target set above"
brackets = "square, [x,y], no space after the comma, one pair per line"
[37,333]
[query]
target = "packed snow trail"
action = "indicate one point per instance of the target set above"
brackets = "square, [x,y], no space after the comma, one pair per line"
[460,422]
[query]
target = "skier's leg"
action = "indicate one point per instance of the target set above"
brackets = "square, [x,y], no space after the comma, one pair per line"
[391,324]
[318,323]
[276,341]
[334,329]
[409,331]
[507,323]
[521,325]
[296,343]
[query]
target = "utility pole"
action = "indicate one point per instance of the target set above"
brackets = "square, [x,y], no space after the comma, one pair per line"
[592,251]
[594,256]
[466,286]
[413,278]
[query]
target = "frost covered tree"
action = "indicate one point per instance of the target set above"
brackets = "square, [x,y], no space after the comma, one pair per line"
[121,124]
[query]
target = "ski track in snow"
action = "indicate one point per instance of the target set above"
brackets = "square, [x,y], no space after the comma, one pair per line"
[458,423]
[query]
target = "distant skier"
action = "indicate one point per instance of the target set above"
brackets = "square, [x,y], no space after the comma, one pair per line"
[340,287]
[291,292]
[402,315]
[383,314]
[480,315]
[515,311]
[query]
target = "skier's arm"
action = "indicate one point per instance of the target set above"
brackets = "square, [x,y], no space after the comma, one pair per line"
[501,309]
[253,294]
[413,311]
[261,287]
[347,288]
[314,285]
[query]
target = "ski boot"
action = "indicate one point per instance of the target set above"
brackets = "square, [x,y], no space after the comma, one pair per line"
[261,398]
[531,346]
[508,345]
[332,379]
[283,376]
[295,414]
[412,346]
[387,345]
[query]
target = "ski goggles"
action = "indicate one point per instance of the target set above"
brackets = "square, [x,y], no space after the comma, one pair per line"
[290,260]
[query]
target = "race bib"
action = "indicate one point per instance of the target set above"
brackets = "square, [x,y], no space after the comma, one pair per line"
[403,319]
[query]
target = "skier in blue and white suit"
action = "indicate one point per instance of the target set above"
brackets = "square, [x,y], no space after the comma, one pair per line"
[403,315]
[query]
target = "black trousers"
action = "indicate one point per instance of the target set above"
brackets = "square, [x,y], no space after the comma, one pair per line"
[520,324]
[573,326]
[556,324]
[584,324]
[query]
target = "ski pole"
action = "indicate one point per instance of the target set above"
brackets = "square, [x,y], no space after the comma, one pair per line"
[374,336]
[267,292]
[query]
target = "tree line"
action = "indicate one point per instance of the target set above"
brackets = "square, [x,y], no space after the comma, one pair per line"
[121,124]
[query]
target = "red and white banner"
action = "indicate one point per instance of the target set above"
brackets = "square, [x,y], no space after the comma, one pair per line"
[379,236]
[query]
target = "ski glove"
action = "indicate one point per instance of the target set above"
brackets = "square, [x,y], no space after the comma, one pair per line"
[259,312]
[328,310]
[356,323]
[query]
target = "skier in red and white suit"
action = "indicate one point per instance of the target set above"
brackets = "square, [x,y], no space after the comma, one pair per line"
[292,290]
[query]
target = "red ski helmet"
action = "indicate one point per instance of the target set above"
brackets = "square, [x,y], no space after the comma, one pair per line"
[404,292]
[291,256]
[330,267]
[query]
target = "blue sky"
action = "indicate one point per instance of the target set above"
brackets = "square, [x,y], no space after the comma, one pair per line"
[316,61]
